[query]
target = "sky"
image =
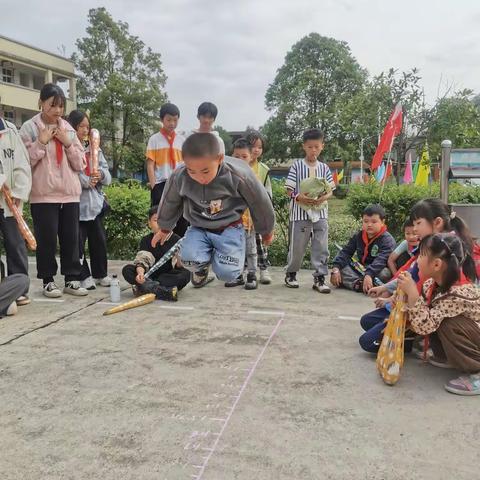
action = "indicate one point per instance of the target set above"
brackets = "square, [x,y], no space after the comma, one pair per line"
[228,52]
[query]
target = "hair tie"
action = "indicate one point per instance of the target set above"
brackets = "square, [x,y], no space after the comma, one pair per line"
[453,214]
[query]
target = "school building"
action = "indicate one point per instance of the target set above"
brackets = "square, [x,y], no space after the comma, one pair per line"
[24,70]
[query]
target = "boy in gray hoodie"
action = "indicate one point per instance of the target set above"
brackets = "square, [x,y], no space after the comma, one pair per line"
[212,192]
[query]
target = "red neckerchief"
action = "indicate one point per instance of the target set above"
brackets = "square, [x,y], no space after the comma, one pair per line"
[59,151]
[170,137]
[367,242]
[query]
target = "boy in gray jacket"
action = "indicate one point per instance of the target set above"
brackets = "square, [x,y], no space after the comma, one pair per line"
[213,191]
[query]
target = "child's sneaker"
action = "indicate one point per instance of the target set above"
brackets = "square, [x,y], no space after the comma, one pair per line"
[236,283]
[319,284]
[251,283]
[12,309]
[74,288]
[439,362]
[103,282]
[291,280]
[51,290]
[168,294]
[265,278]
[23,300]
[201,278]
[464,385]
[88,284]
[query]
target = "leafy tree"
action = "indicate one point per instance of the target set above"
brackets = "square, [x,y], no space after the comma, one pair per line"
[121,81]
[312,88]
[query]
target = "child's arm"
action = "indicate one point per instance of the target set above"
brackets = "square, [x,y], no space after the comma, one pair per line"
[35,143]
[346,253]
[268,186]
[73,149]
[392,262]
[105,176]
[151,172]
[22,172]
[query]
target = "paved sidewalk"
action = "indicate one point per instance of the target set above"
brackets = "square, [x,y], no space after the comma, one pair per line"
[225,384]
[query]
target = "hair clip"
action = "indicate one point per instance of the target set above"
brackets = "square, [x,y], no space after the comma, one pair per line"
[453,214]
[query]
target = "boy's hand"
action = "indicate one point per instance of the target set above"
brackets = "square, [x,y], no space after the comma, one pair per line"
[367,284]
[305,199]
[320,200]
[375,292]
[268,239]
[336,277]
[161,236]
[140,278]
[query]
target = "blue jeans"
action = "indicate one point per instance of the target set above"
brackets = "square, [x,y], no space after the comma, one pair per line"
[225,251]
[373,324]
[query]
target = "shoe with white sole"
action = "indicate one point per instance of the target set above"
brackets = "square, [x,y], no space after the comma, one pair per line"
[74,288]
[88,284]
[51,290]
[12,309]
[265,278]
[320,286]
[103,282]
[23,300]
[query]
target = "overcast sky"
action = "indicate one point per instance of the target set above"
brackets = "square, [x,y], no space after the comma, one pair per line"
[228,51]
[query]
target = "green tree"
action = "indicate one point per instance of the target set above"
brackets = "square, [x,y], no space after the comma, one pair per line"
[312,88]
[121,81]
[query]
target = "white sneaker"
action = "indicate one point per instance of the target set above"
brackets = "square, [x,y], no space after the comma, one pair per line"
[23,300]
[265,278]
[74,288]
[103,282]
[88,284]
[12,309]
[51,290]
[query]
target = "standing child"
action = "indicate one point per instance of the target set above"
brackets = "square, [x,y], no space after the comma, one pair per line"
[449,309]
[213,192]
[15,177]
[168,279]
[261,170]
[207,114]
[405,250]
[164,151]
[56,157]
[92,210]
[303,226]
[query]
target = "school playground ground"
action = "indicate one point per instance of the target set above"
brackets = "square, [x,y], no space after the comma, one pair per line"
[225,384]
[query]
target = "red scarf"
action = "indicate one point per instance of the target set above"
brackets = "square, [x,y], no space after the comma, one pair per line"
[59,151]
[367,242]
[170,137]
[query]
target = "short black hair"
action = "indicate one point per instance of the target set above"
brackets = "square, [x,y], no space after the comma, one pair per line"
[201,145]
[242,143]
[76,117]
[50,90]
[153,211]
[408,223]
[207,109]
[253,135]
[313,134]
[169,109]
[374,209]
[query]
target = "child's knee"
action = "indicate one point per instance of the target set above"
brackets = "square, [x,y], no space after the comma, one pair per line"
[227,272]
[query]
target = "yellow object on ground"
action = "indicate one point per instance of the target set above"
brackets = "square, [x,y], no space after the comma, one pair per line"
[136,302]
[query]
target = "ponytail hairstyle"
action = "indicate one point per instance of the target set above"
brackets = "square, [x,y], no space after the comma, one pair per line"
[432,208]
[450,249]
[76,117]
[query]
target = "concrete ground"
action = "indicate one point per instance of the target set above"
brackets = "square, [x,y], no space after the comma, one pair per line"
[225,384]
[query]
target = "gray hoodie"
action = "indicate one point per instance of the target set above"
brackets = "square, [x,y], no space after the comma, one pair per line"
[218,204]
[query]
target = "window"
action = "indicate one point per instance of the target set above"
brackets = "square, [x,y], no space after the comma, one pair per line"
[7,75]
[9,115]
[38,82]
[24,79]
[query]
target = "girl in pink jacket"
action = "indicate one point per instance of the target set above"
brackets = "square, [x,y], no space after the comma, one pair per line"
[56,158]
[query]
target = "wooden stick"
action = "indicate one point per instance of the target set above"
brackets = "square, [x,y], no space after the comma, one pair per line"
[136,302]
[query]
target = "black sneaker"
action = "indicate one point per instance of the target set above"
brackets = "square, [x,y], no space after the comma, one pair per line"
[319,284]
[168,294]
[291,280]
[251,283]
[236,283]
[201,278]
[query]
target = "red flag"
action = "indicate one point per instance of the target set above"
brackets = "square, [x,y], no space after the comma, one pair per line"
[392,129]
[335,177]
[389,171]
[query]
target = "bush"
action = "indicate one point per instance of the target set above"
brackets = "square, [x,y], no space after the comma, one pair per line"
[126,223]
[398,200]
[341,191]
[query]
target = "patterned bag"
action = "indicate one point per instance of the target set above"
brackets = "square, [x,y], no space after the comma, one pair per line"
[390,354]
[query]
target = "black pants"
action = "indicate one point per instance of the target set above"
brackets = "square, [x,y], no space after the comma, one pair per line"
[155,197]
[94,232]
[15,249]
[52,221]
[178,277]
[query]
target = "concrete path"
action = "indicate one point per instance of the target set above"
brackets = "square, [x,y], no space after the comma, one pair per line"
[225,384]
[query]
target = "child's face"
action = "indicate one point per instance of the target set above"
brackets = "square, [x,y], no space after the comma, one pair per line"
[422,228]
[372,224]
[243,154]
[203,169]
[153,224]
[411,237]
[83,129]
[52,110]
[257,149]
[206,122]
[430,267]
[312,149]
[170,122]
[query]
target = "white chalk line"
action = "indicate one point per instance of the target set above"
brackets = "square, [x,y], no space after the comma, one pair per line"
[265,312]
[213,448]
[51,300]
[342,317]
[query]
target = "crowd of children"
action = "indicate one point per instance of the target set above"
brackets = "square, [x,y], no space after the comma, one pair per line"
[221,210]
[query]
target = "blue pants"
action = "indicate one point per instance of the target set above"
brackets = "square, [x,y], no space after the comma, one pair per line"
[373,324]
[225,251]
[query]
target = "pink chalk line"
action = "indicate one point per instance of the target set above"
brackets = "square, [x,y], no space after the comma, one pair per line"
[212,450]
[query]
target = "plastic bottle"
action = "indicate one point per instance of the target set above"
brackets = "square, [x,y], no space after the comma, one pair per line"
[115,290]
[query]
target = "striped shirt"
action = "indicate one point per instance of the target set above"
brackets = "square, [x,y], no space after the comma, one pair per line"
[298,172]
[158,151]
